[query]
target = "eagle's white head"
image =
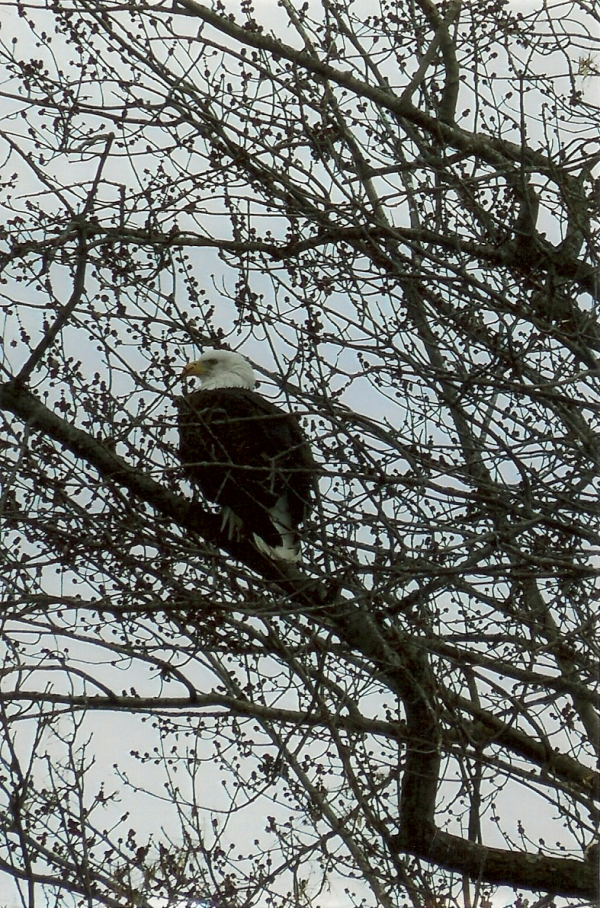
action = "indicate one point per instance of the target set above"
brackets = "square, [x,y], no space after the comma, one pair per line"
[222,369]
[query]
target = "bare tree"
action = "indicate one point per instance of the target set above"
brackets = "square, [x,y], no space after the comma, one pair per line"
[392,210]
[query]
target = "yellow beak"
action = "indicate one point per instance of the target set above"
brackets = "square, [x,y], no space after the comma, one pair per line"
[195,368]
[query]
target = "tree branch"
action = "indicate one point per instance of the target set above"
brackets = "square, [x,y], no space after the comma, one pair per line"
[189,515]
[560,876]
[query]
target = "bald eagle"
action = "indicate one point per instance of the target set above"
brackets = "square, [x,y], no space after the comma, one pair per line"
[246,454]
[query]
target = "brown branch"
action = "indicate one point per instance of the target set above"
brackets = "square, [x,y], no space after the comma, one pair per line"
[441,41]
[548,259]
[63,315]
[492,150]
[200,704]
[489,729]
[191,516]
[506,669]
[80,229]
[499,153]
[406,670]
[559,876]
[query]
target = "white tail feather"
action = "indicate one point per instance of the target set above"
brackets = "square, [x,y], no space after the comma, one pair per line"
[289,550]
[278,552]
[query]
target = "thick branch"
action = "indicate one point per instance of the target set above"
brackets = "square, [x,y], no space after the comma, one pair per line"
[191,516]
[574,879]
[407,671]
[489,729]
[443,41]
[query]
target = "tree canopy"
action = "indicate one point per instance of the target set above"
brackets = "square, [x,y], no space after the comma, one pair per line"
[392,209]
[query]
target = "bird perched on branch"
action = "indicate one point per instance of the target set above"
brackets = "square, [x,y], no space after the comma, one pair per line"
[246,454]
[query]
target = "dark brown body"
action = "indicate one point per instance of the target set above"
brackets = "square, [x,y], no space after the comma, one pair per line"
[246,454]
